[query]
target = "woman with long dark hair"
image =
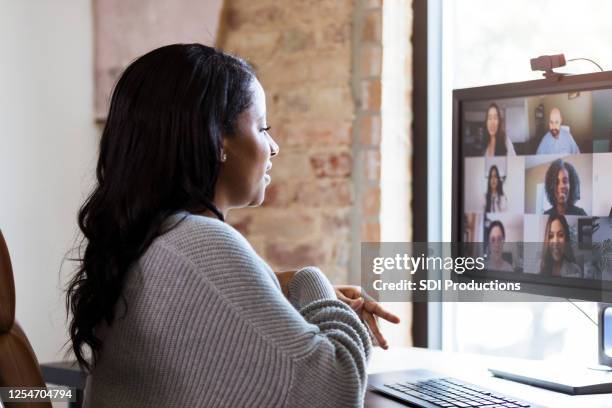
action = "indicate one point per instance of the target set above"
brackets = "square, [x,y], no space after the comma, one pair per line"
[557,254]
[497,143]
[495,200]
[496,236]
[171,307]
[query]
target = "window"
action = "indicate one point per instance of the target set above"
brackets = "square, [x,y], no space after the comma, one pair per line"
[489,42]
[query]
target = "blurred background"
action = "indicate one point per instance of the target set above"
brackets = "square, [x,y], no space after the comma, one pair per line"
[359,99]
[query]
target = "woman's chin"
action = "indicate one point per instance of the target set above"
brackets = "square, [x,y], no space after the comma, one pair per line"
[260,195]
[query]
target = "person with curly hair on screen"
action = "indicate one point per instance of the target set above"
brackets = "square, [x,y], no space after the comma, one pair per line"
[557,255]
[562,185]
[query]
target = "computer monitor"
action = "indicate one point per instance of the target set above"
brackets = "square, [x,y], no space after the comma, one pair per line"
[532,189]
[532,182]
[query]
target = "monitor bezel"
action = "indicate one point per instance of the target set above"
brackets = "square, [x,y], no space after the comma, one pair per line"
[555,287]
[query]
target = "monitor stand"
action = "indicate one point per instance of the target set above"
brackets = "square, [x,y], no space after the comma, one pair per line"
[568,379]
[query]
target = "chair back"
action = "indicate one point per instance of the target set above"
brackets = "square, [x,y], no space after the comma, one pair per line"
[18,364]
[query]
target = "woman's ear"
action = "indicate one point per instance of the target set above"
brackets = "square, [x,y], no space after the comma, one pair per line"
[223,151]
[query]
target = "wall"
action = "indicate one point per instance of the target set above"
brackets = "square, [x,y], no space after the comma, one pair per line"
[47,145]
[127,29]
[602,193]
[320,63]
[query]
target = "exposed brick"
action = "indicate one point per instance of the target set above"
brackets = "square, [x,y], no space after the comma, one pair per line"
[291,101]
[370,232]
[322,103]
[295,40]
[324,193]
[371,202]
[331,164]
[371,60]
[332,102]
[320,68]
[371,32]
[336,32]
[374,3]
[371,94]
[370,129]
[371,167]
[279,194]
[303,51]
[309,133]
[288,69]
[338,220]
[257,48]
[243,18]
[289,225]
[337,275]
[290,166]
[330,67]
[289,256]
[241,221]
[313,12]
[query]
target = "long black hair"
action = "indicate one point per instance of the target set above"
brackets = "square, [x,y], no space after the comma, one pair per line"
[500,137]
[546,265]
[552,178]
[159,153]
[499,189]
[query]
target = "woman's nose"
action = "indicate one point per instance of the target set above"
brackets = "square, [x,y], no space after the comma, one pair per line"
[274,149]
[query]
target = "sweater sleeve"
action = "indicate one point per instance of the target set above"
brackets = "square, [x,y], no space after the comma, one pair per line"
[334,372]
[323,339]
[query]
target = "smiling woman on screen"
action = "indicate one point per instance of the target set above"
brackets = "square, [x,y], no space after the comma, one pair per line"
[497,143]
[171,306]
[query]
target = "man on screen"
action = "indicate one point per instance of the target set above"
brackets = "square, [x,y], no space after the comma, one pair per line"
[558,139]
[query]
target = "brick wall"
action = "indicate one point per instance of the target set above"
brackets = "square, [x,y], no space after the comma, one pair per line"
[320,63]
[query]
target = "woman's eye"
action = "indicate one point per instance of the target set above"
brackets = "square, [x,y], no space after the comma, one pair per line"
[265,129]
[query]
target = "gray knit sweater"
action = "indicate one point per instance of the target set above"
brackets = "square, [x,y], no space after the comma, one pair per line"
[207,325]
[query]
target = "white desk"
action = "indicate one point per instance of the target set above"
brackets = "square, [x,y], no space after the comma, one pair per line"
[471,368]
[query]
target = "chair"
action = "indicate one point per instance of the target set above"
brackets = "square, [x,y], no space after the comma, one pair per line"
[18,364]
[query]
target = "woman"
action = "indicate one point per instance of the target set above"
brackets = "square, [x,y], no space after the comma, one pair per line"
[557,255]
[496,141]
[496,236]
[495,200]
[174,306]
[562,189]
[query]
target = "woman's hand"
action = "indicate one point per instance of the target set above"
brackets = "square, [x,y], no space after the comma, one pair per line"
[368,309]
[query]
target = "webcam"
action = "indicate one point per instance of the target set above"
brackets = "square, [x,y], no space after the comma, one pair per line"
[547,63]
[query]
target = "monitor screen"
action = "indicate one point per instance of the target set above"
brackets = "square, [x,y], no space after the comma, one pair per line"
[533,182]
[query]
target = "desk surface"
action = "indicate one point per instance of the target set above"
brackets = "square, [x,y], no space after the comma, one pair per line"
[471,368]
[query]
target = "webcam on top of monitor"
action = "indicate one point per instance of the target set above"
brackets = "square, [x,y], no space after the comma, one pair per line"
[547,63]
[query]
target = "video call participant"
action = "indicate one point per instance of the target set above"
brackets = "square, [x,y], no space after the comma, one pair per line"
[497,143]
[562,189]
[557,255]
[558,139]
[496,236]
[171,306]
[495,200]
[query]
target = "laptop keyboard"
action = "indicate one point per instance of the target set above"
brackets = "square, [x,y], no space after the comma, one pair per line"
[452,393]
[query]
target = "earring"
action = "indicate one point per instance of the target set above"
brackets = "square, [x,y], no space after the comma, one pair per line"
[223,157]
